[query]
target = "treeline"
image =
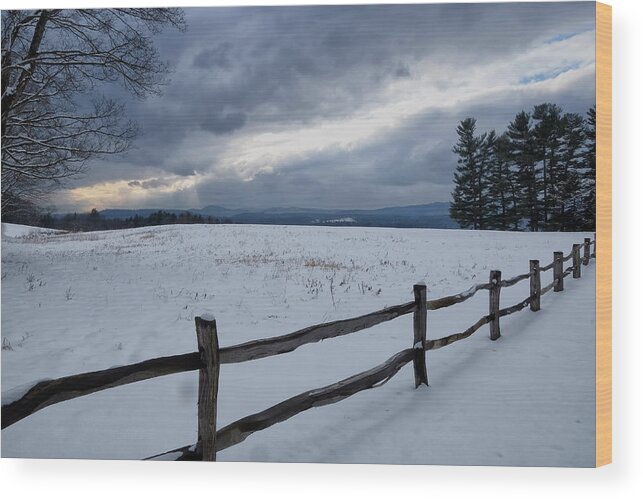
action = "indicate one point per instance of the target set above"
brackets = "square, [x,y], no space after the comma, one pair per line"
[538,175]
[93,220]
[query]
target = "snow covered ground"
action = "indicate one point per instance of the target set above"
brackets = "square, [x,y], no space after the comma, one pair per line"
[73,303]
[17,230]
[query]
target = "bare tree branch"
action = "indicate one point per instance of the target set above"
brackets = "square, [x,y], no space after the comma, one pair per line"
[50,57]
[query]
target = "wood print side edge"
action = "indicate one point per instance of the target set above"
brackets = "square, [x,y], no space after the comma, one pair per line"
[603,234]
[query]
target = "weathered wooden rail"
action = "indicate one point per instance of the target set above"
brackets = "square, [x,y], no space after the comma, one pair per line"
[210,356]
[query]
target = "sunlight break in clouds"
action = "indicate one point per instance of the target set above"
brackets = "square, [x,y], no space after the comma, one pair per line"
[130,193]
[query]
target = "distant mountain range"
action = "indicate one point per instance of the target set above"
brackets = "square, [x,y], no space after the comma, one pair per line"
[433,215]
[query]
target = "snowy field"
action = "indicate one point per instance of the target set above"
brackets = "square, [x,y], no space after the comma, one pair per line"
[80,302]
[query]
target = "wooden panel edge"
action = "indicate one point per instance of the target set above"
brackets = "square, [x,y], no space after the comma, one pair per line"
[603,234]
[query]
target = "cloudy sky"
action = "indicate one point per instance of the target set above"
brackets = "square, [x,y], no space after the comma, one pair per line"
[344,106]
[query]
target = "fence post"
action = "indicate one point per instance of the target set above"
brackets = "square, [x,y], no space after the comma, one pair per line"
[595,245]
[419,335]
[558,271]
[206,336]
[586,250]
[576,260]
[534,285]
[494,304]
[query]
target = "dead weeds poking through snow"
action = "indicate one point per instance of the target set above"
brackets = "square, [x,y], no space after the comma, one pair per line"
[323,264]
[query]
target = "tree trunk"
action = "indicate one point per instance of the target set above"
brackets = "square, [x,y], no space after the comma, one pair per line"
[9,99]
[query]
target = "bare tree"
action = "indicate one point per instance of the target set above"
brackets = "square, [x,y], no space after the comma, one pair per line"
[53,63]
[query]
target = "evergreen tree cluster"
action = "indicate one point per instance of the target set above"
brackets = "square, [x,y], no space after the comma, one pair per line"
[539,175]
[81,222]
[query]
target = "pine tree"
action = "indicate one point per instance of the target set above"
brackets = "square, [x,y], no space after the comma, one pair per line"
[546,136]
[503,194]
[540,173]
[589,172]
[469,196]
[521,152]
[567,182]
[485,169]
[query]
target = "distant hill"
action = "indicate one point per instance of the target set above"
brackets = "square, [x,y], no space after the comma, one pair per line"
[433,215]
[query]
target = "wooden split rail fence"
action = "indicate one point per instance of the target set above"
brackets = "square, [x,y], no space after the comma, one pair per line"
[210,356]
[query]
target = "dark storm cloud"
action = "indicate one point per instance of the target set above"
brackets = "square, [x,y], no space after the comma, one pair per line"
[217,57]
[222,123]
[150,184]
[254,70]
[288,58]
[402,72]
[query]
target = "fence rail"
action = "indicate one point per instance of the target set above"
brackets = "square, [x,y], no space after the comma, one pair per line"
[447,301]
[547,267]
[45,393]
[209,357]
[268,347]
[514,280]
